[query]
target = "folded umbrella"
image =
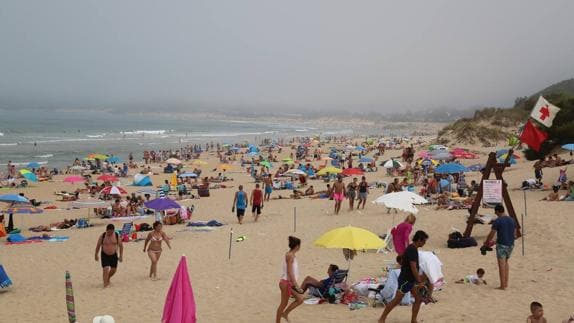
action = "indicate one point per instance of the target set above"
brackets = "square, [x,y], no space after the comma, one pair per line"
[179,304]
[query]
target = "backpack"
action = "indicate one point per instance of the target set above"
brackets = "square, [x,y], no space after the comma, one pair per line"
[456,240]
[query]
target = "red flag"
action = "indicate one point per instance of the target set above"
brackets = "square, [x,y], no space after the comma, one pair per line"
[532,136]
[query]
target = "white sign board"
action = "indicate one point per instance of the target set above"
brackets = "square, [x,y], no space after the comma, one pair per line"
[492,191]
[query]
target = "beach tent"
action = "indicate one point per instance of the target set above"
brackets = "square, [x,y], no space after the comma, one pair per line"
[142,180]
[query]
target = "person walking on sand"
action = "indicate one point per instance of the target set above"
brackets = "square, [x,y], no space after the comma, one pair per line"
[110,243]
[288,283]
[363,192]
[339,193]
[352,192]
[409,278]
[268,186]
[154,238]
[505,229]
[256,202]
[240,202]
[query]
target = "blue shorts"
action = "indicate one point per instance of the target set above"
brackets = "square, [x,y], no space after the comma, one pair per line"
[503,251]
[405,286]
[268,189]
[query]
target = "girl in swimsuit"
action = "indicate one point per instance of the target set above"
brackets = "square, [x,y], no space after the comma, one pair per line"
[154,239]
[288,282]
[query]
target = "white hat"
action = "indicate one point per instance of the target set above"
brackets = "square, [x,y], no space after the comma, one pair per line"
[104,319]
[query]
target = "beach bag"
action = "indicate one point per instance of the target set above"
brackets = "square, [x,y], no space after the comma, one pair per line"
[456,240]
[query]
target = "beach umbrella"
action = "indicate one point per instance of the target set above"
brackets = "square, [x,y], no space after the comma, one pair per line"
[252,154]
[329,170]
[142,180]
[114,159]
[108,178]
[438,147]
[427,162]
[33,165]
[179,303]
[569,147]
[288,161]
[161,204]
[443,183]
[5,281]
[403,201]
[360,148]
[391,163]
[74,179]
[511,161]
[71,306]
[265,163]
[113,190]
[225,167]
[366,160]
[503,156]
[352,171]
[440,155]
[349,237]
[28,175]
[198,162]
[295,172]
[192,175]
[97,156]
[89,204]
[451,168]
[13,198]
[173,161]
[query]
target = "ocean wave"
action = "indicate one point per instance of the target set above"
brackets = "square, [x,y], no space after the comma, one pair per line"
[1,134]
[232,134]
[144,132]
[9,144]
[96,136]
[44,156]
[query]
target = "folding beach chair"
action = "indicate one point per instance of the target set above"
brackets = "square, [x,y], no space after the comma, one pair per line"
[388,238]
[126,230]
[339,277]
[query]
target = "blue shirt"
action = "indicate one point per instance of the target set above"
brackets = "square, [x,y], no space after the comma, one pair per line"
[505,228]
[241,202]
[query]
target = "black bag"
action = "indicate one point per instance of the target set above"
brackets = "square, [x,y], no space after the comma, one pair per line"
[461,242]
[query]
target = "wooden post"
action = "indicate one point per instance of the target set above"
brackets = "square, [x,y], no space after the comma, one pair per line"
[493,165]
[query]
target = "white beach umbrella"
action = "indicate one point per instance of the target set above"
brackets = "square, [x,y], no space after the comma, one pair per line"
[295,172]
[404,201]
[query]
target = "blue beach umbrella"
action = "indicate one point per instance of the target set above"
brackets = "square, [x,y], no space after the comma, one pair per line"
[475,167]
[192,175]
[568,147]
[512,161]
[451,168]
[13,198]
[114,160]
[33,165]
[366,160]
[28,175]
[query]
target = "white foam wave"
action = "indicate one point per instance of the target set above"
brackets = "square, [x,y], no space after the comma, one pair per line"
[9,144]
[144,132]
[1,134]
[44,156]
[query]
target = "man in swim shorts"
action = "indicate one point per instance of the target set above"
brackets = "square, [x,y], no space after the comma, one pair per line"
[339,193]
[240,204]
[109,242]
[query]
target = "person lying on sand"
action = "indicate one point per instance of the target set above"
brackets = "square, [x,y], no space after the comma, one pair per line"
[554,196]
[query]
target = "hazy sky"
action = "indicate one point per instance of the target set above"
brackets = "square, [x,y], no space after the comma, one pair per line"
[308,54]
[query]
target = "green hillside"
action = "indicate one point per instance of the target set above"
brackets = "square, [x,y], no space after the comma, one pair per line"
[491,126]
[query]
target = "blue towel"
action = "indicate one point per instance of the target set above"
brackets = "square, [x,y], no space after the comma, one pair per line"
[4,279]
[16,237]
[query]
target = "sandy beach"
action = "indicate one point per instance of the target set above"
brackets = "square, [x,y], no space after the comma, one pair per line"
[245,288]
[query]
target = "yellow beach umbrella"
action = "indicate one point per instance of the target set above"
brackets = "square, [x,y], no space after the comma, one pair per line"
[352,238]
[330,170]
[97,156]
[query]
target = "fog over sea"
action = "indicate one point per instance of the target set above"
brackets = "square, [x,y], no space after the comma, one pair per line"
[56,138]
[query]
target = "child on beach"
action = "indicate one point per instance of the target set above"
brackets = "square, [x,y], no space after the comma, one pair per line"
[537,313]
[474,279]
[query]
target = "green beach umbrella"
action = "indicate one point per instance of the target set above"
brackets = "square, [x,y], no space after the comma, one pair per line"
[28,175]
[265,163]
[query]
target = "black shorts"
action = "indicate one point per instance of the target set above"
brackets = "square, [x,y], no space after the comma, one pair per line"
[256,208]
[109,261]
[405,286]
[240,212]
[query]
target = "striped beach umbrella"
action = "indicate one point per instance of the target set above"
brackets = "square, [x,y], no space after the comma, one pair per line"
[71,306]
[113,190]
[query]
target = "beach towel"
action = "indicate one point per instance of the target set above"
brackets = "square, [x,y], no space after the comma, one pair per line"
[430,265]
[15,237]
[5,281]
[212,223]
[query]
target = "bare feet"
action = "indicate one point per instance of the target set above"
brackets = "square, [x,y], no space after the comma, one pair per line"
[285,317]
[500,288]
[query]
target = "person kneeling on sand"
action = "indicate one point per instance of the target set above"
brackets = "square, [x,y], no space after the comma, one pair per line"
[474,279]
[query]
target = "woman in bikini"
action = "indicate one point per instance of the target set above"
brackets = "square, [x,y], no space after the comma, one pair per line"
[288,283]
[154,239]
